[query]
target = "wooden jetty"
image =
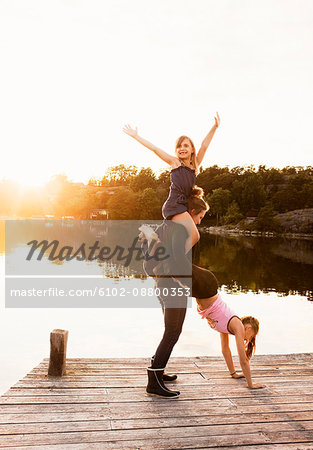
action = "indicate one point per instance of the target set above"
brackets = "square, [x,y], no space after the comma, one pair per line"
[101,404]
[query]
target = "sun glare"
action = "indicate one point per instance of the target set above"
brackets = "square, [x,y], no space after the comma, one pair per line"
[27,180]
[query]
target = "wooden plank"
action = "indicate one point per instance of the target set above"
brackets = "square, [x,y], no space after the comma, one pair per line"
[148,420]
[287,446]
[142,410]
[271,359]
[211,420]
[138,394]
[53,416]
[238,400]
[214,435]
[132,361]
[265,379]
[55,427]
[150,408]
[283,370]
[135,382]
[118,397]
[207,386]
[212,429]
[179,443]
[266,364]
[104,425]
[72,370]
[279,399]
[146,434]
[24,413]
[25,392]
[160,444]
[138,379]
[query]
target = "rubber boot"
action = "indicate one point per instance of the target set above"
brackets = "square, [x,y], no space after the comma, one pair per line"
[166,377]
[156,387]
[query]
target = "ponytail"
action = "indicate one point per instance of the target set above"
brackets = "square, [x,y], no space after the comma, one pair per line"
[196,202]
[197,191]
[251,346]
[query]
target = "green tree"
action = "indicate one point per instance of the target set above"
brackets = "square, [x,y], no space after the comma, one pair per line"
[266,220]
[93,182]
[233,214]
[120,175]
[123,205]
[144,179]
[149,205]
[249,192]
[219,201]
[164,180]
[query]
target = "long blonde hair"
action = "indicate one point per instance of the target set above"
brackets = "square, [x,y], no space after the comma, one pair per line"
[193,159]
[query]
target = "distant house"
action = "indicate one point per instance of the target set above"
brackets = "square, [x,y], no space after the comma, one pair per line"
[252,213]
[99,214]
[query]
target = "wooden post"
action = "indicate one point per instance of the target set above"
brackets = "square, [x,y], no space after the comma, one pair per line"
[58,344]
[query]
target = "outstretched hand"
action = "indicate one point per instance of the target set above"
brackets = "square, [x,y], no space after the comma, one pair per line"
[133,132]
[217,120]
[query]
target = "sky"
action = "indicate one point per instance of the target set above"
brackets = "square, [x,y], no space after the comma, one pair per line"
[74,72]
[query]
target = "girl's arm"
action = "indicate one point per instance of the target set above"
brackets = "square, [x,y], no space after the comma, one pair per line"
[169,159]
[244,362]
[227,353]
[228,356]
[207,140]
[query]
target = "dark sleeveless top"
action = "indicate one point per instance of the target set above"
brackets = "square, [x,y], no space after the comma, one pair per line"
[182,181]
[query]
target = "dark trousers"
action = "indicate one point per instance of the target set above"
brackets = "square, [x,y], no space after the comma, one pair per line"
[204,285]
[174,310]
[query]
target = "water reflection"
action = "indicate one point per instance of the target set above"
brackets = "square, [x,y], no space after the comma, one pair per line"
[258,263]
[74,246]
[240,263]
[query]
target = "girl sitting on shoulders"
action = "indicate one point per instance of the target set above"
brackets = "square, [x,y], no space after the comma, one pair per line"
[184,167]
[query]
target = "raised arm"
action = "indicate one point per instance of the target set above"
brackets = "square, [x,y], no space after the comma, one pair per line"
[169,159]
[206,141]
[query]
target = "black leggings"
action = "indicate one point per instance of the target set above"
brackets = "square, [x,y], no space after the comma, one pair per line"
[204,285]
[173,321]
[174,311]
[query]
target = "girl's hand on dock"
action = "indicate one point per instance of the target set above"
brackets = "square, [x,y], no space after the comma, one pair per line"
[133,132]
[217,120]
[237,375]
[256,386]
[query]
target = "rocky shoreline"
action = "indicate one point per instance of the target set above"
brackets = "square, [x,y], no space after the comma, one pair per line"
[296,224]
[235,231]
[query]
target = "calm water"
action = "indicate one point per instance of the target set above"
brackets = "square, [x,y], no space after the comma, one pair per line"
[269,278]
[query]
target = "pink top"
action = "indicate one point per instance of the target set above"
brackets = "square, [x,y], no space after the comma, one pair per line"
[218,315]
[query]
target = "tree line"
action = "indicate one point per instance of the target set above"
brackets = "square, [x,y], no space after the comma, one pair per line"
[128,192]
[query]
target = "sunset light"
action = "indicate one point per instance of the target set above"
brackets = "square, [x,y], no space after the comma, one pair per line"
[156,224]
